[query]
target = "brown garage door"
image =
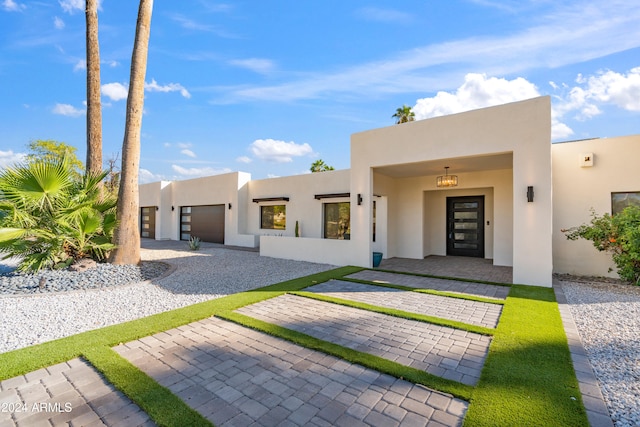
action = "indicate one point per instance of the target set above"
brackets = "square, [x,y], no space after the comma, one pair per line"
[148,222]
[204,222]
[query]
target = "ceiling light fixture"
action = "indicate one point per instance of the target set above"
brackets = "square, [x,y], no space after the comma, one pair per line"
[447,180]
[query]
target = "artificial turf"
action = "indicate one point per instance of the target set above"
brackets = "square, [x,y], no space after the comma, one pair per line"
[527,380]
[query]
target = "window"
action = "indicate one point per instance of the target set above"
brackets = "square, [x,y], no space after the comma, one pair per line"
[273,217]
[337,221]
[619,201]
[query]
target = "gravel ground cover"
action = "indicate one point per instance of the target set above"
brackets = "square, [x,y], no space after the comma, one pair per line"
[607,316]
[210,273]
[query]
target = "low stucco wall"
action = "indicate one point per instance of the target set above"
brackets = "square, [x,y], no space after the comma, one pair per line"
[325,251]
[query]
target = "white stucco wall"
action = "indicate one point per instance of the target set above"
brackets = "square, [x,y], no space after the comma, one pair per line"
[301,207]
[521,128]
[578,189]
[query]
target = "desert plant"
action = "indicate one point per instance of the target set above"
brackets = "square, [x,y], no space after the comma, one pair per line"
[617,234]
[297,230]
[49,217]
[194,243]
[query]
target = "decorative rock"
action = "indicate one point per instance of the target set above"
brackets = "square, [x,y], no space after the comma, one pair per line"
[83,264]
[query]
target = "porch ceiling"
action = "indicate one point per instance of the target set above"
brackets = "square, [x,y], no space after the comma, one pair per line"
[456,165]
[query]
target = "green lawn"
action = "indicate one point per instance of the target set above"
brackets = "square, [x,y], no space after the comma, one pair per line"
[528,378]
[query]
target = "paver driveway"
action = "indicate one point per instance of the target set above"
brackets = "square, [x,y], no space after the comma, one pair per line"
[234,375]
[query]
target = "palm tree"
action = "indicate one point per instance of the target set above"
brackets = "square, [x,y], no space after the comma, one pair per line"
[127,234]
[50,218]
[320,166]
[94,113]
[404,115]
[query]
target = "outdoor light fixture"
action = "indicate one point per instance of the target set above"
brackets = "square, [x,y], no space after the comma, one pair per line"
[447,180]
[530,194]
[359,199]
[157,208]
[229,205]
[173,208]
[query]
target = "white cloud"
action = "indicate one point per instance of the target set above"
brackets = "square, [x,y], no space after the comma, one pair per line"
[115,91]
[258,65]
[81,65]
[12,6]
[198,172]
[67,110]
[279,151]
[171,87]
[477,91]
[570,33]
[184,144]
[189,153]
[244,159]
[584,100]
[58,23]
[621,90]
[72,6]
[145,176]
[9,158]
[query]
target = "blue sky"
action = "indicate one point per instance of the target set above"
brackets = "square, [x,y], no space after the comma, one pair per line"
[267,87]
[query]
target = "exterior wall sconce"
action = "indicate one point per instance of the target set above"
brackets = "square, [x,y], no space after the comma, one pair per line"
[359,199]
[173,208]
[229,206]
[447,180]
[530,194]
[157,208]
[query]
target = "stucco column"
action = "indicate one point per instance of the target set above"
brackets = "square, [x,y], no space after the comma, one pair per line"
[361,223]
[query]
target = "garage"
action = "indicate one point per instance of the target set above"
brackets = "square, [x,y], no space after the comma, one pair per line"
[205,222]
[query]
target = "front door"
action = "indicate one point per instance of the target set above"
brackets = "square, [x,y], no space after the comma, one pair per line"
[465,226]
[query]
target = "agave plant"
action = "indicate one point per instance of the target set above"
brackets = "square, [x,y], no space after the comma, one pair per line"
[48,218]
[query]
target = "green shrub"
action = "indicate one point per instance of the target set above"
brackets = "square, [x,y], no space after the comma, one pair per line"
[617,234]
[194,243]
[50,217]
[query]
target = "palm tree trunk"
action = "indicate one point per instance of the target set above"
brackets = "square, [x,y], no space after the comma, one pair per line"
[127,234]
[94,113]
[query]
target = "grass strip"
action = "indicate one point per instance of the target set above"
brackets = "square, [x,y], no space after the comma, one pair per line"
[398,313]
[456,295]
[19,362]
[432,276]
[528,377]
[164,407]
[377,363]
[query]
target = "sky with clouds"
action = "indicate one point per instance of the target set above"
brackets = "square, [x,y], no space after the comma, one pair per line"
[270,87]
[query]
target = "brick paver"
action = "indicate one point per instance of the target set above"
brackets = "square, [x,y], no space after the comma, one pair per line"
[421,282]
[450,353]
[70,393]
[472,312]
[452,266]
[237,376]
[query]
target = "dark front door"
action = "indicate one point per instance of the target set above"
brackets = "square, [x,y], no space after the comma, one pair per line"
[465,226]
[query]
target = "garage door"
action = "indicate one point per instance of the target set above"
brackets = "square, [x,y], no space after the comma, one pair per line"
[204,222]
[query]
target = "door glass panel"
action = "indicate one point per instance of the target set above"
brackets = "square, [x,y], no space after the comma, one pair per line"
[465,246]
[466,226]
[465,215]
[465,205]
[465,236]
